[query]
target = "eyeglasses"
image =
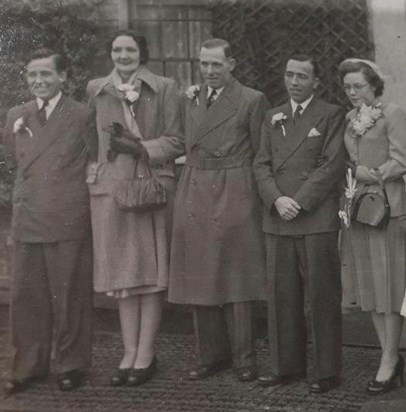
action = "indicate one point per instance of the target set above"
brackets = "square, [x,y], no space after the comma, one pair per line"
[357,87]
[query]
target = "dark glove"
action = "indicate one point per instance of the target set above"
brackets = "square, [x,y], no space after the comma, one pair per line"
[122,141]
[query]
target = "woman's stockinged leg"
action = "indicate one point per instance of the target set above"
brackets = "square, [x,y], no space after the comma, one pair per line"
[378,319]
[393,324]
[129,310]
[150,320]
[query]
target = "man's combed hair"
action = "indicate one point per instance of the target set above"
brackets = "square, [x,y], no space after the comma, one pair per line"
[216,42]
[303,57]
[58,58]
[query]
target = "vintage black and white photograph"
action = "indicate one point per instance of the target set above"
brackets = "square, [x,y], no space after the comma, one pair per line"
[202,205]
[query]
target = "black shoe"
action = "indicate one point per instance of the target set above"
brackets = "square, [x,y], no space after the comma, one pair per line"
[377,387]
[273,380]
[247,374]
[70,380]
[203,372]
[324,385]
[120,377]
[19,385]
[142,375]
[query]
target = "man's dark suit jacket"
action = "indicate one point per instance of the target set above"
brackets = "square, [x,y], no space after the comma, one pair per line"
[50,199]
[306,164]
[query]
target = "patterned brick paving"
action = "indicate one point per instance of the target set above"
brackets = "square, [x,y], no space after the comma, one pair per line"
[170,392]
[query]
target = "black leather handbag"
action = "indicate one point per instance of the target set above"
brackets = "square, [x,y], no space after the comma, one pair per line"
[143,193]
[372,206]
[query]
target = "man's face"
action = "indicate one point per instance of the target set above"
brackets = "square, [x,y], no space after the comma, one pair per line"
[43,79]
[300,80]
[215,67]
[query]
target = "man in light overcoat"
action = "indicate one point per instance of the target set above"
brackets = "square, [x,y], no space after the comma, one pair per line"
[297,168]
[49,140]
[218,251]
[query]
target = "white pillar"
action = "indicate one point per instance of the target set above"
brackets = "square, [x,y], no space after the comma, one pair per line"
[388,25]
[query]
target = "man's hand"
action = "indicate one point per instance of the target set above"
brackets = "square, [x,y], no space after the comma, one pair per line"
[287,208]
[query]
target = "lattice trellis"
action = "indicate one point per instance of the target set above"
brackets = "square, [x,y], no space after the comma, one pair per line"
[264,33]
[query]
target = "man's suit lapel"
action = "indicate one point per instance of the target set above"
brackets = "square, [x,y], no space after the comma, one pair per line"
[44,137]
[296,133]
[225,107]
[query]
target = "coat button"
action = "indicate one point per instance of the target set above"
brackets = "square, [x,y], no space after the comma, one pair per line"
[305,174]
[217,154]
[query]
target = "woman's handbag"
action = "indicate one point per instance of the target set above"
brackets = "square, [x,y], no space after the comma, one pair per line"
[142,193]
[372,206]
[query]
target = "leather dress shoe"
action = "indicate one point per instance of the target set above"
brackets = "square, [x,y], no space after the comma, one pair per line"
[19,385]
[70,380]
[273,380]
[204,371]
[324,385]
[247,374]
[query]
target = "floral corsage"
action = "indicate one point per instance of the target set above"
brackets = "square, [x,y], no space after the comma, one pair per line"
[350,190]
[192,93]
[365,119]
[130,94]
[20,126]
[278,119]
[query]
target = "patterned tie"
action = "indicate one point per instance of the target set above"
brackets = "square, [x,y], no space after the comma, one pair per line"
[297,113]
[41,114]
[211,98]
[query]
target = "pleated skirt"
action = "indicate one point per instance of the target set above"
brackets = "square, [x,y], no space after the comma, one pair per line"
[376,258]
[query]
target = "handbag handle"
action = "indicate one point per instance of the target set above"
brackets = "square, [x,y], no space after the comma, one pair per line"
[148,172]
[381,183]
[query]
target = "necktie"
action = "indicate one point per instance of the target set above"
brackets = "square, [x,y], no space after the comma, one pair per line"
[297,113]
[41,114]
[211,98]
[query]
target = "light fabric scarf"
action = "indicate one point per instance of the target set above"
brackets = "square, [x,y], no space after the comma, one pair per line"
[129,118]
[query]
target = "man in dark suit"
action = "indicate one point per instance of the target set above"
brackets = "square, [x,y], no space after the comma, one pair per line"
[49,139]
[297,168]
[218,250]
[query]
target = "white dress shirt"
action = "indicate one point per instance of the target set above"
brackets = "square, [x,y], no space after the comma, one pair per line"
[303,104]
[51,104]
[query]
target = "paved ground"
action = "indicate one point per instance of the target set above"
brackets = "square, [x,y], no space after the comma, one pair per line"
[170,392]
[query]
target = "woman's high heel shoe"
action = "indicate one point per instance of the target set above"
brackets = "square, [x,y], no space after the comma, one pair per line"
[142,375]
[377,387]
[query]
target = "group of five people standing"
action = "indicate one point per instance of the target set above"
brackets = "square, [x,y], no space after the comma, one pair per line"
[216,245]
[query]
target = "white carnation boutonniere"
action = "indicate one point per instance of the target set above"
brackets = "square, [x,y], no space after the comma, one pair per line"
[20,126]
[350,190]
[365,119]
[192,93]
[131,95]
[278,120]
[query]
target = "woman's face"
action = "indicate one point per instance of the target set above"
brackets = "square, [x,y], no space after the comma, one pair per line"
[358,90]
[125,54]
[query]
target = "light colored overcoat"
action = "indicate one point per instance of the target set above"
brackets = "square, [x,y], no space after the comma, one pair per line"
[218,252]
[131,249]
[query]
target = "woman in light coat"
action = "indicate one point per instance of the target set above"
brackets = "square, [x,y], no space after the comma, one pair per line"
[131,249]
[376,145]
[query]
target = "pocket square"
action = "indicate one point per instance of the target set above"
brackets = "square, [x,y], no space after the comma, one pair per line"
[314,133]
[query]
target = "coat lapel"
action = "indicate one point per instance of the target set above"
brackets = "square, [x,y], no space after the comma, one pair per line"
[296,133]
[54,128]
[225,107]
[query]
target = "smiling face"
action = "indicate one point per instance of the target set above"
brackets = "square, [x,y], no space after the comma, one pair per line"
[358,90]
[300,80]
[215,67]
[125,54]
[43,78]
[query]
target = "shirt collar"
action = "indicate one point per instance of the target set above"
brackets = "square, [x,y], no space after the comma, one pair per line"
[51,102]
[303,104]
[218,91]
